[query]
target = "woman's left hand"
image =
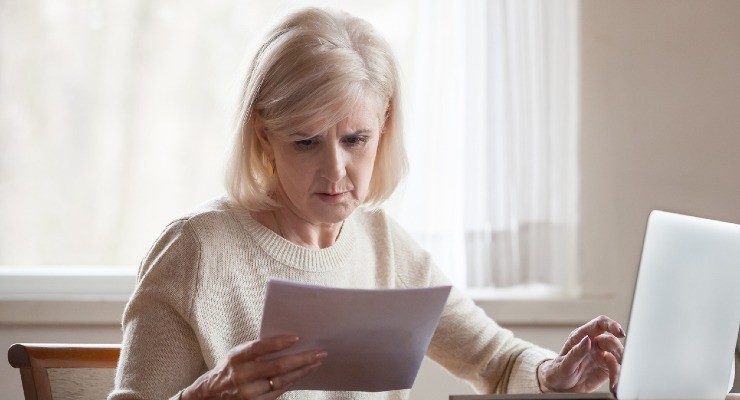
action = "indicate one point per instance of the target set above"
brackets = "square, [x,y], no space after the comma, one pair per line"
[592,354]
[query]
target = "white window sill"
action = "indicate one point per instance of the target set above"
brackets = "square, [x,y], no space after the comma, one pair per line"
[69,283]
[64,295]
[85,295]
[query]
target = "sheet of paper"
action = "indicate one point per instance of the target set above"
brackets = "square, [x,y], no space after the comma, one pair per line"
[376,339]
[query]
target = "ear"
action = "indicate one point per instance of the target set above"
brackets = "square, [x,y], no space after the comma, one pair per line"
[259,129]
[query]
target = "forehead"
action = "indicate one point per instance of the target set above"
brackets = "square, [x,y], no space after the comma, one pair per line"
[366,113]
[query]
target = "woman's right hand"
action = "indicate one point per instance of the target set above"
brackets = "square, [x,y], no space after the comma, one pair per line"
[245,374]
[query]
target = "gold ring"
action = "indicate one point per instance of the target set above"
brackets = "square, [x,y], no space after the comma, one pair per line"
[272,385]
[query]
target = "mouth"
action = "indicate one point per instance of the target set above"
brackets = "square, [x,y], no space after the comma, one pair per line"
[332,197]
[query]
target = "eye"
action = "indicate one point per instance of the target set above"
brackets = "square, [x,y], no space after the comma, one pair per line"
[305,144]
[356,140]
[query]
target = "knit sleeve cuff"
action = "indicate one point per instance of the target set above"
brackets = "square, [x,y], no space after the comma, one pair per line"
[177,396]
[524,375]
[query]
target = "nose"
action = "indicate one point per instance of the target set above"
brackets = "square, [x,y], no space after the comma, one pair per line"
[333,166]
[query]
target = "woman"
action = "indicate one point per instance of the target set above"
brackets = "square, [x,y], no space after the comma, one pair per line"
[318,148]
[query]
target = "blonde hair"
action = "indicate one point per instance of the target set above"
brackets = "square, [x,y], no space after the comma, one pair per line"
[316,67]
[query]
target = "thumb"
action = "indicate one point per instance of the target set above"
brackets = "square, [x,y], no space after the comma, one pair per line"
[575,356]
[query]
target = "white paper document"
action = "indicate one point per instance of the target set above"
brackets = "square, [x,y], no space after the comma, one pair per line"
[376,339]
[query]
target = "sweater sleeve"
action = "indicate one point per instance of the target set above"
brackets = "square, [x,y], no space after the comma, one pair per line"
[160,354]
[475,348]
[467,342]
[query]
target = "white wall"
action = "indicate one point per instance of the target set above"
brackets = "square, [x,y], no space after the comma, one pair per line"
[660,129]
[660,124]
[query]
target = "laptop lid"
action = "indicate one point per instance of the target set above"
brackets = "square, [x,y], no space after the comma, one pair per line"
[685,312]
[540,396]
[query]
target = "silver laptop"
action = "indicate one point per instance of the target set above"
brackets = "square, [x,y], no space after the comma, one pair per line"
[685,314]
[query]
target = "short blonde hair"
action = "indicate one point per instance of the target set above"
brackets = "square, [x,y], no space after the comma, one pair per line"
[315,68]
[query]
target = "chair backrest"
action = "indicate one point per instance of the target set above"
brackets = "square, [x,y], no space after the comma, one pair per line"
[65,371]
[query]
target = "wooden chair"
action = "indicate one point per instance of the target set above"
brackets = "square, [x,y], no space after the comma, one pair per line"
[65,371]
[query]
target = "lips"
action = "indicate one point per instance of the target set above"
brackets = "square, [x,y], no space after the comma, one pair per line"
[332,197]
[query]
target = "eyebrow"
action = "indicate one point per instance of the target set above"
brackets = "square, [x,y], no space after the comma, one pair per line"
[308,135]
[361,130]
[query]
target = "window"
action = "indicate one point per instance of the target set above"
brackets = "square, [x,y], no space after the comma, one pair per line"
[115,118]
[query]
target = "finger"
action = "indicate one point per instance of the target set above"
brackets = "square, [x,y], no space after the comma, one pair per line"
[614,367]
[262,388]
[616,329]
[272,395]
[593,328]
[279,366]
[251,350]
[610,343]
[575,357]
[603,324]
[284,381]
[606,324]
[253,389]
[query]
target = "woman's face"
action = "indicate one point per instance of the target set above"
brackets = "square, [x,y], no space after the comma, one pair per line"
[324,176]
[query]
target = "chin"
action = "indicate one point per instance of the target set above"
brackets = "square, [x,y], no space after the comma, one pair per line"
[337,218]
[336,213]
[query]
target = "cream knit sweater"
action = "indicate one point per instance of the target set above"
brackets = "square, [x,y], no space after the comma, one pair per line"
[201,289]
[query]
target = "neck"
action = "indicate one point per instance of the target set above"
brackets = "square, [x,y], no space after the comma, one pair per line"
[304,233]
[297,230]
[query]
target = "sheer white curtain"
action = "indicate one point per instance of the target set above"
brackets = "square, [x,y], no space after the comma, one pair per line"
[492,137]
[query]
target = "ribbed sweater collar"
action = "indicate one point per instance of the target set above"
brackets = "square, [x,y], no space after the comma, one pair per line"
[296,256]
